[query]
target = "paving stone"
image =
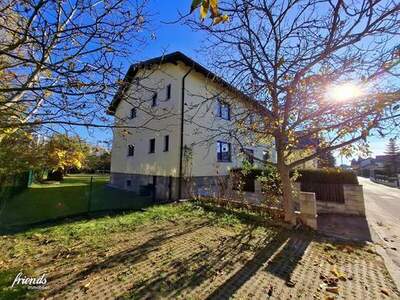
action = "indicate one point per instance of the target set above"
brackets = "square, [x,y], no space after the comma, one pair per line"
[202,261]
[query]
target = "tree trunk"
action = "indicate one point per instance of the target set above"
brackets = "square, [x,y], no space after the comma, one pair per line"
[288,205]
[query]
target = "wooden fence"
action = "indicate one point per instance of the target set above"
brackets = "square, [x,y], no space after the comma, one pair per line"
[325,192]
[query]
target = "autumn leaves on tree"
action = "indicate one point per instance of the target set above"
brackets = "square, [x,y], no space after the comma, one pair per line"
[322,71]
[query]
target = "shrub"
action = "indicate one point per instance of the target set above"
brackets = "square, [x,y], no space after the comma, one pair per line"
[55,175]
[331,175]
[269,178]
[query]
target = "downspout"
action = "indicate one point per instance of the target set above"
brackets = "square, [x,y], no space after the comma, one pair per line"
[181,131]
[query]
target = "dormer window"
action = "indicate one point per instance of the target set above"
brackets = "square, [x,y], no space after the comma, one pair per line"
[223,110]
[154,100]
[133,113]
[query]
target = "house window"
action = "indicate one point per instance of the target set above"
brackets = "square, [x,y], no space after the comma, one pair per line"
[154,100]
[266,155]
[128,183]
[131,150]
[223,152]
[152,147]
[224,110]
[168,91]
[133,113]
[249,155]
[166,143]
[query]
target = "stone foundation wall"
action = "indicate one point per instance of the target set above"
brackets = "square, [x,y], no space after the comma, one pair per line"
[308,209]
[166,187]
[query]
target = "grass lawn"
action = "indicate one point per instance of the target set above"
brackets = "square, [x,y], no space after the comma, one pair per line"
[43,202]
[187,251]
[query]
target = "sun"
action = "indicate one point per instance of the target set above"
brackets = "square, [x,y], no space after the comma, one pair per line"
[344,92]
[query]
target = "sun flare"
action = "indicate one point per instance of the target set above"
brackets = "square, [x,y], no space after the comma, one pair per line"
[343,92]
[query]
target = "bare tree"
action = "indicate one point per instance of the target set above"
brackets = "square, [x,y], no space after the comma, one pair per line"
[63,59]
[319,70]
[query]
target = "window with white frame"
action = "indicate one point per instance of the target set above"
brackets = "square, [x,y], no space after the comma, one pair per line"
[266,155]
[132,113]
[168,92]
[223,110]
[224,152]
[152,146]
[166,143]
[131,150]
[154,100]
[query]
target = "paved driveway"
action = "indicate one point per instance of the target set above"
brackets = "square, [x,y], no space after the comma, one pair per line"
[383,215]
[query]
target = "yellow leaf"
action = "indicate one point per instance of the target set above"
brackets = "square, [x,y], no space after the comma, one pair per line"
[217,20]
[225,18]
[214,12]
[204,9]
[214,8]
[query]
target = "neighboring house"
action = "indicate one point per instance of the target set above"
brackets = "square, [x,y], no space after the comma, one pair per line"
[188,129]
[368,167]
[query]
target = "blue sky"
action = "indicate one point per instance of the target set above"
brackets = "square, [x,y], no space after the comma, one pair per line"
[178,37]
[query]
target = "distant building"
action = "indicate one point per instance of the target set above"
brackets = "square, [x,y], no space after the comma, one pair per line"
[368,167]
[346,167]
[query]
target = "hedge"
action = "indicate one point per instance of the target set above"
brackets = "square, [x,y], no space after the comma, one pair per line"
[324,176]
[11,185]
[331,175]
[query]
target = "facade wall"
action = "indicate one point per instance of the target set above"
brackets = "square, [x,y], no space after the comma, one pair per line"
[202,129]
[152,122]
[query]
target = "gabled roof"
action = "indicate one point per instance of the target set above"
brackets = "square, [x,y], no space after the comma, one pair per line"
[171,58]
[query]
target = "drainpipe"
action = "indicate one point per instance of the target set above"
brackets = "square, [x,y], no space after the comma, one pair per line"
[181,131]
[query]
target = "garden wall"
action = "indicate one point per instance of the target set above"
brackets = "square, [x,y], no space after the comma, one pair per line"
[353,202]
[306,203]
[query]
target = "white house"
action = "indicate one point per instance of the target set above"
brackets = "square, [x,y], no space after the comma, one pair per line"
[175,120]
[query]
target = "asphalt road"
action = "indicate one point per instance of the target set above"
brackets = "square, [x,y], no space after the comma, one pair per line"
[382,206]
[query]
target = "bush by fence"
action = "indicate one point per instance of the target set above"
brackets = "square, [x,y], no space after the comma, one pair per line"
[11,185]
[323,176]
[244,180]
[327,184]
